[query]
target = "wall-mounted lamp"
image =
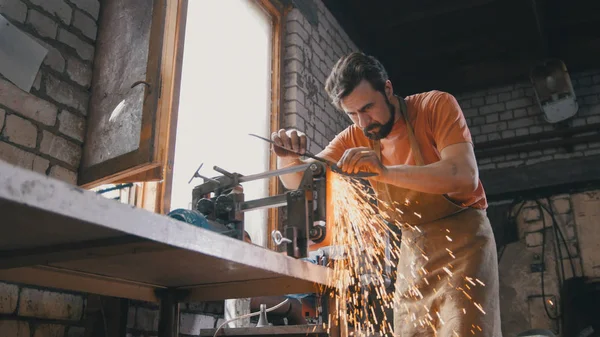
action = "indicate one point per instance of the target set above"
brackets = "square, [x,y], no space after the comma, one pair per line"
[554,91]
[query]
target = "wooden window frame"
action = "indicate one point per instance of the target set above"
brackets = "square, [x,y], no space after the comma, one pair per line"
[151,165]
[173,55]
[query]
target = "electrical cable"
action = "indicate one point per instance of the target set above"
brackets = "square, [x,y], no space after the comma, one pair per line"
[562,237]
[544,263]
[250,315]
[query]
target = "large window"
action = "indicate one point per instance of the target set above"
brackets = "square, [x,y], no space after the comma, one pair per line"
[219,62]
[226,93]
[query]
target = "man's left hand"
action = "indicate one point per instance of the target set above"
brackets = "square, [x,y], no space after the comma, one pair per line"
[361,159]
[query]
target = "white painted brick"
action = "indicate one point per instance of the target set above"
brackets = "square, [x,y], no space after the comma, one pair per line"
[50,305]
[191,324]
[491,99]
[295,26]
[79,72]
[294,94]
[519,103]
[146,319]
[49,330]
[83,49]
[54,58]
[591,152]
[294,39]
[27,104]
[478,101]
[9,296]
[56,7]
[71,125]
[92,7]
[506,115]
[531,214]
[538,160]
[573,249]
[492,118]
[533,239]
[512,163]
[535,129]
[2,115]
[12,328]
[43,25]
[293,66]
[508,134]
[85,24]
[76,331]
[489,166]
[290,120]
[60,148]
[63,174]
[498,107]
[521,131]
[20,131]
[67,94]
[504,96]
[519,113]
[13,9]
[561,205]
[521,123]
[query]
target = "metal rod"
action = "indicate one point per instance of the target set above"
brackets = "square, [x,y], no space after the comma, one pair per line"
[268,202]
[274,173]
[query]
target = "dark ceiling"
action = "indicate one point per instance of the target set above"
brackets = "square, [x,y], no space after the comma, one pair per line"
[462,45]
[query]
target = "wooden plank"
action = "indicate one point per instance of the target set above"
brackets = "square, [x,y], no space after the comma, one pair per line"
[251,288]
[82,282]
[35,205]
[289,330]
[544,175]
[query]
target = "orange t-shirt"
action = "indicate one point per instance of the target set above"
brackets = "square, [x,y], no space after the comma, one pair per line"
[437,120]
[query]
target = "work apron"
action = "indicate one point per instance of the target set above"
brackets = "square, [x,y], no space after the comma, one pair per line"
[447,273]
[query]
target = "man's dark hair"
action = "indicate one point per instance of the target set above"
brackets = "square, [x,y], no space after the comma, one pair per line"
[349,71]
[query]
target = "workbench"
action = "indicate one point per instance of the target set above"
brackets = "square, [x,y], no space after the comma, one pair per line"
[56,235]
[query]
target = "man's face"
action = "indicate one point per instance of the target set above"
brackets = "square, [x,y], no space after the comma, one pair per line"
[370,110]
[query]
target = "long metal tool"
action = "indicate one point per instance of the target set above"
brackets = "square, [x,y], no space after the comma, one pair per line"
[331,165]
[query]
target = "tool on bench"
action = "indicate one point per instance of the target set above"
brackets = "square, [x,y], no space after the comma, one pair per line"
[331,165]
[219,205]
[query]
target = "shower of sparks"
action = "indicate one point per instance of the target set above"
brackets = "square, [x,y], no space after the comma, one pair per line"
[361,231]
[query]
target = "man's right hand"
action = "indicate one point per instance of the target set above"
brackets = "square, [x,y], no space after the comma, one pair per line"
[292,140]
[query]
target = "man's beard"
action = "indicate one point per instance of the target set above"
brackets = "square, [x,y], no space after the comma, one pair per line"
[383,130]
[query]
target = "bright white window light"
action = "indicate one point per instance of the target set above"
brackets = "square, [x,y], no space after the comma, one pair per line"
[225,95]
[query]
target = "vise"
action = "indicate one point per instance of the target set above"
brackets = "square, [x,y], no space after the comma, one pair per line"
[218,204]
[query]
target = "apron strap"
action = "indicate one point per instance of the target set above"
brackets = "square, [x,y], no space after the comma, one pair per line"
[414,145]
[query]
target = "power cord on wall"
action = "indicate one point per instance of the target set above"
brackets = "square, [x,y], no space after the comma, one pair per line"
[249,315]
[559,239]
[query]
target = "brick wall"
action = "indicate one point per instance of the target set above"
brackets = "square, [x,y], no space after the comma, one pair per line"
[510,111]
[311,50]
[43,130]
[28,311]
[143,318]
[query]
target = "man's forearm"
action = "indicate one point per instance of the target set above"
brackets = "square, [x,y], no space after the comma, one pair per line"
[443,177]
[291,180]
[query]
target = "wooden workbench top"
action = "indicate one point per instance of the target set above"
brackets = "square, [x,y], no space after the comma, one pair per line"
[57,235]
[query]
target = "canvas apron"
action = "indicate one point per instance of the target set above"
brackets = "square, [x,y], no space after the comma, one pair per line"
[447,274]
